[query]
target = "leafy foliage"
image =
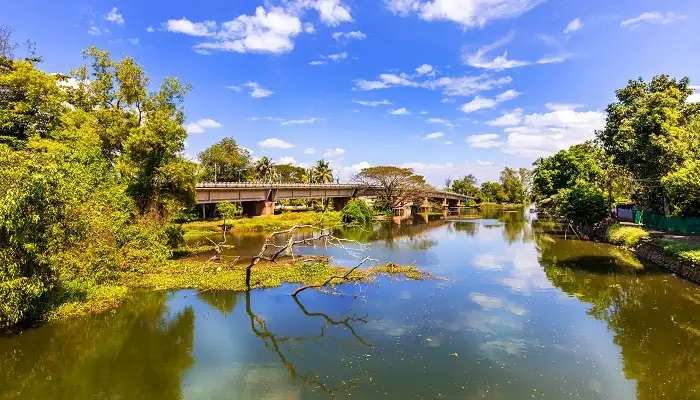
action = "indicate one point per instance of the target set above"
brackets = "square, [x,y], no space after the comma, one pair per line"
[225,161]
[357,211]
[582,205]
[626,235]
[397,186]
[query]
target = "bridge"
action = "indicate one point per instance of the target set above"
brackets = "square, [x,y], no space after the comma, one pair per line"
[261,198]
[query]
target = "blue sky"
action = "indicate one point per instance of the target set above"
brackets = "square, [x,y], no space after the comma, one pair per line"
[448,87]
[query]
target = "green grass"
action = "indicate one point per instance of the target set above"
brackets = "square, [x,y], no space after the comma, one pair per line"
[199,229]
[682,250]
[626,235]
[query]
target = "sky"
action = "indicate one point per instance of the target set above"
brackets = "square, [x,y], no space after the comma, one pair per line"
[446,87]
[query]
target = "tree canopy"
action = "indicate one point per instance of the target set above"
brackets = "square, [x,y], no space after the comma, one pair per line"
[225,161]
[397,186]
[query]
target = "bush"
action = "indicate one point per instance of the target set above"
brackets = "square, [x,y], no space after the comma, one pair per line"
[357,211]
[175,235]
[626,235]
[582,205]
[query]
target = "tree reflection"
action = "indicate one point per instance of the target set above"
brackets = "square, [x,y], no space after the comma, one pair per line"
[275,342]
[652,314]
[136,353]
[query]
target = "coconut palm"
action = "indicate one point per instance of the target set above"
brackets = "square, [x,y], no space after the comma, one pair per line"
[264,170]
[322,172]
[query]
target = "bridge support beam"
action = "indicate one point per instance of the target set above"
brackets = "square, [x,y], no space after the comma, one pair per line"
[258,208]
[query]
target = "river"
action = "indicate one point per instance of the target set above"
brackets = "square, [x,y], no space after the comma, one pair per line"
[513,311]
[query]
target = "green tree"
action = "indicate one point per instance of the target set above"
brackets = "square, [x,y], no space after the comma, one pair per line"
[321,172]
[264,170]
[228,210]
[582,205]
[652,130]
[225,161]
[466,186]
[492,192]
[397,186]
[288,173]
[512,185]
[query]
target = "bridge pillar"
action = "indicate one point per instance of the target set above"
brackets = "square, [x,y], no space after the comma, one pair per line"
[257,208]
[425,206]
[340,202]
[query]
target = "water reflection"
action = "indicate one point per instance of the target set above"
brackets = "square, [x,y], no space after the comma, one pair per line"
[517,312]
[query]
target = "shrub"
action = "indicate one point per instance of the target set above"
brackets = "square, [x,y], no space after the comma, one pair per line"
[582,205]
[357,211]
[626,235]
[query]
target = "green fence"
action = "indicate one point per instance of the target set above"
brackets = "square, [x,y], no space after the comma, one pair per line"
[671,224]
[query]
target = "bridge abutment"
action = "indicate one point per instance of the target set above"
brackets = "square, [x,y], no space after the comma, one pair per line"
[258,208]
[340,202]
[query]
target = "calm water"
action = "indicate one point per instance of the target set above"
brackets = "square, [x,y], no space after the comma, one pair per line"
[515,313]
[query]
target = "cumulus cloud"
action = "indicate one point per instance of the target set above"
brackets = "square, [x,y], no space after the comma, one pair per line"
[114,16]
[372,103]
[433,136]
[508,119]
[187,27]
[468,13]
[425,69]
[275,143]
[336,57]
[484,141]
[94,31]
[440,121]
[399,111]
[481,103]
[331,12]
[651,17]
[348,36]
[561,126]
[573,26]
[334,152]
[695,97]
[202,125]
[255,90]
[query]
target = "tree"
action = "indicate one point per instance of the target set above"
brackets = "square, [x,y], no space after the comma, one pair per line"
[582,205]
[466,186]
[228,210]
[652,130]
[512,185]
[322,172]
[225,161]
[264,170]
[397,186]
[288,173]
[492,192]
[682,187]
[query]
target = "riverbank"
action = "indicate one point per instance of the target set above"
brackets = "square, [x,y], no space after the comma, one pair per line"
[200,229]
[206,275]
[676,254]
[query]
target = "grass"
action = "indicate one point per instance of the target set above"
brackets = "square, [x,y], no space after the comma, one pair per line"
[199,229]
[81,299]
[685,251]
[626,235]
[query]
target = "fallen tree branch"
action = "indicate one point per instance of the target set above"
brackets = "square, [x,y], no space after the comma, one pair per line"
[330,279]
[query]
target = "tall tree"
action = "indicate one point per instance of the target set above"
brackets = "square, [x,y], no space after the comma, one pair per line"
[288,173]
[512,186]
[264,170]
[492,192]
[322,172]
[651,130]
[397,186]
[225,161]
[466,186]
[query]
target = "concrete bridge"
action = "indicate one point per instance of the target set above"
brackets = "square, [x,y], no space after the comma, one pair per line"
[260,198]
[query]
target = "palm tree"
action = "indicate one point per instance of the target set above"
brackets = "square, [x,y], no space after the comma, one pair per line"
[264,170]
[322,172]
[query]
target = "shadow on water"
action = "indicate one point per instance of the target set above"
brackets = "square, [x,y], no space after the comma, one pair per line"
[524,312]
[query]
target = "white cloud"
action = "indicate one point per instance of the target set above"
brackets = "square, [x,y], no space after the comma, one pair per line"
[114,16]
[695,97]
[360,166]
[557,59]
[440,121]
[286,160]
[484,141]
[134,41]
[309,150]
[304,121]
[399,111]
[478,59]
[348,36]
[255,90]
[468,13]
[333,153]
[652,17]
[150,29]
[539,134]
[336,57]
[94,31]
[202,125]
[481,103]
[331,12]
[450,86]
[483,163]
[433,136]
[508,119]
[372,103]
[275,143]
[573,26]
[385,81]
[425,69]
[187,27]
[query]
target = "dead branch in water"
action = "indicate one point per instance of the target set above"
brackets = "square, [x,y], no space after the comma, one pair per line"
[324,234]
[344,277]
